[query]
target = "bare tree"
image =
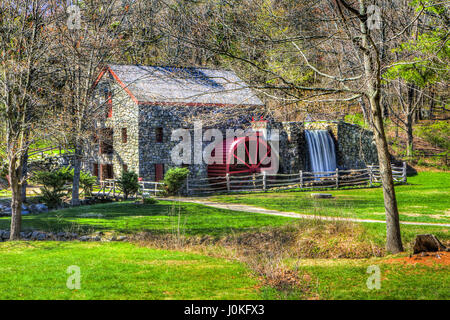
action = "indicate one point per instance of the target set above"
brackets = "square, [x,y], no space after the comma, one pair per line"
[23,81]
[88,37]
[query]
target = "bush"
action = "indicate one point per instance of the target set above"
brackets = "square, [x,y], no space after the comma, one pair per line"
[150,201]
[87,182]
[356,118]
[55,185]
[58,183]
[128,183]
[174,179]
[3,169]
[3,174]
[437,134]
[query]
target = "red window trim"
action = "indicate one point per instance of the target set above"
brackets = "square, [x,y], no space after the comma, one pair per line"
[109,104]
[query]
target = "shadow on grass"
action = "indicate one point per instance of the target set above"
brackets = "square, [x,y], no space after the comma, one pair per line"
[161,218]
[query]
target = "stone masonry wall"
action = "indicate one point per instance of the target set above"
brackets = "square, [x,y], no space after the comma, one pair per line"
[170,118]
[356,146]
[124,115]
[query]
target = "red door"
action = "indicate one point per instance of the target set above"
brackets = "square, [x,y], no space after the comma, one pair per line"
[159,172]
[96,169]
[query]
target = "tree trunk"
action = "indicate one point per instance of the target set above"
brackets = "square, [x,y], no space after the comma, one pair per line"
[365,114]
[15,175]
[372,65]
[76,177]
[431,115]
[427,243]
[409,131]
[393,235]
[409,120]
[24,174]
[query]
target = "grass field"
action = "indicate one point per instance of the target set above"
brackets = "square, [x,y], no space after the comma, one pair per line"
[346,279]
[38,270]
[253,254]
[426,198]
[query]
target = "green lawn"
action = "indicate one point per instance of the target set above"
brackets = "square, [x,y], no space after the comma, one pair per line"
[376,233]
[426,198]
[38,270]
[163,217]
[346,279]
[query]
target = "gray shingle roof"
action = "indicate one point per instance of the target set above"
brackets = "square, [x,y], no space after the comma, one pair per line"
[185,85]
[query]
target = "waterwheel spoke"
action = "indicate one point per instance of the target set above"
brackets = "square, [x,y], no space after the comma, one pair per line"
[242,162]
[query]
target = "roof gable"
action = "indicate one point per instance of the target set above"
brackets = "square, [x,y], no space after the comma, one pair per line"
[192,86]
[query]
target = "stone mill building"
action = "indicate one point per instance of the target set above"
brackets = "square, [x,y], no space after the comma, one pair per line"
[142,105]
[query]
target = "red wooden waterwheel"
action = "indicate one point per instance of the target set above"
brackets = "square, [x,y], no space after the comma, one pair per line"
[242,157]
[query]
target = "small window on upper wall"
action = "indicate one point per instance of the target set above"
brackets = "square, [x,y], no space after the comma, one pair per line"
[124,135]
[159,134]
[125,168]
[108,102]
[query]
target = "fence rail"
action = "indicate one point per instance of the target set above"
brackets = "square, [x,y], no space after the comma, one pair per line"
[150,187]
[110,188]
[301,180]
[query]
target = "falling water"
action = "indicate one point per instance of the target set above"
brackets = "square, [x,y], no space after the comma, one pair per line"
[322,154]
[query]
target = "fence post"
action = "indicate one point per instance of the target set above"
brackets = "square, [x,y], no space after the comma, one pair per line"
[404,172]
[264,181]
[156,189]
[337,178]
[228,181]
[187,185]
[370,176]
[301,179]
[114,189]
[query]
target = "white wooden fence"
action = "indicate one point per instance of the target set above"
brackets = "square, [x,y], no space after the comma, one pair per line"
[301,180]
[110,188]
[150,187]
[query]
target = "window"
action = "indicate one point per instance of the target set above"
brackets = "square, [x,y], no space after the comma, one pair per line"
[106,143]
[159,134]
[125,168]
[106,171]
[124,135]
[159,172]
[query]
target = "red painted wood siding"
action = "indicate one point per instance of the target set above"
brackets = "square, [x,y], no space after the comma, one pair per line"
[159,172]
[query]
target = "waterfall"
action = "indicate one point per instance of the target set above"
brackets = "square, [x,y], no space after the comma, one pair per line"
[322,154]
